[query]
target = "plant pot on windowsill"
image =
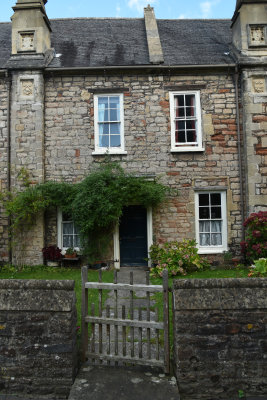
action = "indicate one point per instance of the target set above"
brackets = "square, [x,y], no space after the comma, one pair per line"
[70,253]
[74,255]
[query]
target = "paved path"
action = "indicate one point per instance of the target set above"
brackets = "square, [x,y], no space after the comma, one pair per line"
[124,383]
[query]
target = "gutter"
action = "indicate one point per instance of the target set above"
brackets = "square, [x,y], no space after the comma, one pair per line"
[9,87]
[138,67]
[236,76]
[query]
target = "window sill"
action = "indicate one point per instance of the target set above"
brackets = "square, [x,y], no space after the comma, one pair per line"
[213,250]
[108,151]
[186,149]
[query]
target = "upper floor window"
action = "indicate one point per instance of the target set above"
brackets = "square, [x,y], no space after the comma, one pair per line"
[185,121]
[211,222]
[109,124]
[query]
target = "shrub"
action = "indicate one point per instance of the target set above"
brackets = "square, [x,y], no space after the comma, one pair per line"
[179,258]
[259,268]
[255,244]
[52,253]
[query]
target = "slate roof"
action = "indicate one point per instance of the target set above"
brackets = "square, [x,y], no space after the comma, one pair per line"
[99,42]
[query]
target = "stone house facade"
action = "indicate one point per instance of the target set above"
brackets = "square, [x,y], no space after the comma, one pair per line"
[181,99]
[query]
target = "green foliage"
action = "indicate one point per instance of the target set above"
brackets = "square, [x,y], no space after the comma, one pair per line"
[95,204]
[255,245]
[70,251]
[179,258]
[259,268]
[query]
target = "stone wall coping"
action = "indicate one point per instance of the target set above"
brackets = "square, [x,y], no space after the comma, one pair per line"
[17,284]
[220,283]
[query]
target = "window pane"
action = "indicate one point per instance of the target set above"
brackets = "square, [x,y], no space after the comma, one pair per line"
[106,115]
[114,115]
[204,213]
[180,112]
[204,199]
[179,100]
[102,108]
[105,129]
[67,228]
[67,241]
[114,129]
[204,239]
[216,212]
[191,125]
[180,137]
[215,199]
[204,226]
[180,125]
[216,239]
[104,140]
[190,100]
[191,136]
[103,101]
[77,241]
[115,140]
[216,226]
[114,102]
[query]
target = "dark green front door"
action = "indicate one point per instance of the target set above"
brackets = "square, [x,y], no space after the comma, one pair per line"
[133,236]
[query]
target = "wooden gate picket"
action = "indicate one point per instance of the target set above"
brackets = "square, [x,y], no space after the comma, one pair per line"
[115,322]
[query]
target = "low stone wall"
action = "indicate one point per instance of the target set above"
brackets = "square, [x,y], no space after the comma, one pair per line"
[38,354]
[220,338]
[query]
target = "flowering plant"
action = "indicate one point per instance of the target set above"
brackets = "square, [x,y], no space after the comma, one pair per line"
[255,245]
[179,258]
[52,253]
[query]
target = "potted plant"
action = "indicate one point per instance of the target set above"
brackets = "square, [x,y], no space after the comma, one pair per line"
[71,253]
[52,255]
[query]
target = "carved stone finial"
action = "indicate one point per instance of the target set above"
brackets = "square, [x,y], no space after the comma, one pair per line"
[149,8]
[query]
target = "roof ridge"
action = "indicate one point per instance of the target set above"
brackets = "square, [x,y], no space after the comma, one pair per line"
[87,18]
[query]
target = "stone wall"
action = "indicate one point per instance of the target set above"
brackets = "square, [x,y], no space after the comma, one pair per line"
[38,354]
[255,126]
[3,167]
[220,338]
[27,153]
[69,140]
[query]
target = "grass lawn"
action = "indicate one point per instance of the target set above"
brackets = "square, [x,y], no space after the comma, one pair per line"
[47,273]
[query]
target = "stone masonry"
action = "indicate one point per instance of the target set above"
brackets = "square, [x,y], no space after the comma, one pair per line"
[54,78]
[220,344]
[38,354]
[3,166]
[27,141]
[69,141]
[255,120]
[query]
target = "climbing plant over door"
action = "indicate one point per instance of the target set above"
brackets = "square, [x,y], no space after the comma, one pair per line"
[95,203]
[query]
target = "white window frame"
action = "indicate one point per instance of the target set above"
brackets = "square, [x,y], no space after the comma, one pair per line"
[212,249]
[108,150]
[185,148]
[60,233]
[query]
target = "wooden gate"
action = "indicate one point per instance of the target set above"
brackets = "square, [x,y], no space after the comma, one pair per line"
[126,334]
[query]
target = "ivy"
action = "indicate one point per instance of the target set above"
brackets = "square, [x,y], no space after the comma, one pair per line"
[95,204]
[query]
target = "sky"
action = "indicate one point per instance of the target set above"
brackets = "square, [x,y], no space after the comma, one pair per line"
[169,9]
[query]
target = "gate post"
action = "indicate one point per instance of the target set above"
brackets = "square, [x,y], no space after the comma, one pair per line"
[84,324]
[166,322]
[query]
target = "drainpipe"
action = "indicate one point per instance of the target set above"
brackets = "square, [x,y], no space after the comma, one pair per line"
[9,87]
[239,152]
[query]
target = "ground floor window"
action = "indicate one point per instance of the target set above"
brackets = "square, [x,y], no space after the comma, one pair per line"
[68,234]
[211,221]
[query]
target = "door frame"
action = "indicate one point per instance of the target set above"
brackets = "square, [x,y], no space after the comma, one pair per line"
[116,238]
